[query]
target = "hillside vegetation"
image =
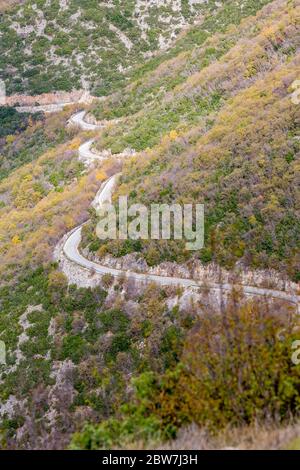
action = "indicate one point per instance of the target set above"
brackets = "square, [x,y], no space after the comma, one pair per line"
[56,45]
[120,365]
[225,136]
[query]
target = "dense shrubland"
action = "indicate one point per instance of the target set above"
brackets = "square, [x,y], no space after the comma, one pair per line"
[94,343]
[23,137]
[227,137]
[232,370]
[84,43]
[40,202]
[199,47]
[138,366]
[212,121]
[102,46]
[13,122]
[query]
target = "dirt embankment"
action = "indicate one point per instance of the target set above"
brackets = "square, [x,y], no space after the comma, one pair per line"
[47,99]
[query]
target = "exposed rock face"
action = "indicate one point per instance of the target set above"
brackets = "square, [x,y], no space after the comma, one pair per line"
[210,273]
[62,393]
[48,102]
[209,294]
[23,337]
[45,98]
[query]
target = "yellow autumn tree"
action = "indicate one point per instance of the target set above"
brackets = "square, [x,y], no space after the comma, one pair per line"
[74,145]
[173,135]
[16,240]
[101,175]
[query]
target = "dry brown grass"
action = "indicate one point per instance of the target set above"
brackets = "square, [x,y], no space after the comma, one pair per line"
[258,437]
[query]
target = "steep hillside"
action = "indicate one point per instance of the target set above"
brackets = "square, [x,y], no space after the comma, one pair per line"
[225,136]
[38,202]
[47,46]
[211,120]
[59,45]
[25,137]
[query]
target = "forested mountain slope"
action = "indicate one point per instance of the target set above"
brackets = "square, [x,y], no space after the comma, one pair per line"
[217,125]
[212,120]
[59,45]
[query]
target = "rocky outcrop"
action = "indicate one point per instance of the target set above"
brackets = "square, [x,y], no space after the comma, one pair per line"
[210,273]
[48,102]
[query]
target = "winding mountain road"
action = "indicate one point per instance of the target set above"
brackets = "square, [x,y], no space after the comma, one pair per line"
[72,253]
[86,155]
[78,120]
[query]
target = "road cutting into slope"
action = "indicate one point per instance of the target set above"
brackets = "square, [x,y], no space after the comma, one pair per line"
[72,252]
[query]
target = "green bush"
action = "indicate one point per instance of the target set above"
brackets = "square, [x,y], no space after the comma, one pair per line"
[137,424]
[235,369]
[73,347]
